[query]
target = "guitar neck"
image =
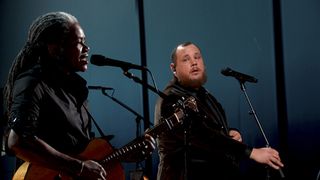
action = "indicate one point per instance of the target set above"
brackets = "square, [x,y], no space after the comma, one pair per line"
[166,124]
[139,144]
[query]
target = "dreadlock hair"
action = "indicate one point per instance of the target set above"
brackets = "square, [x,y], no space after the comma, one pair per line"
[52,27]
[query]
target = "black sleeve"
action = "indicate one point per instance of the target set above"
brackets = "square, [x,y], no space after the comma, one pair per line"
[25,107]
[212,140]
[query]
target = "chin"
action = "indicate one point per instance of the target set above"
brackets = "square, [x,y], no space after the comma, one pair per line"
[198,82]
[83,68]
[192,83]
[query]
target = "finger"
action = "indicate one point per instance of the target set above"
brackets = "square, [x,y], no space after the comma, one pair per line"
[274,166]
[150,142]
[150,138]
[103,174]
[101,170]
[276,156]
[276,162]
[274,152]
[153,140]
[271,162]
[232,134]
[102,177]
[237,138]
[279,163]
[150,146]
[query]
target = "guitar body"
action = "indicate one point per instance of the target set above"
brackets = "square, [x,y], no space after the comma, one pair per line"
[96,150]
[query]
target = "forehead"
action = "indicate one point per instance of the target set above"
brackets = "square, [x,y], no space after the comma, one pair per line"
[76,31]
[187,50]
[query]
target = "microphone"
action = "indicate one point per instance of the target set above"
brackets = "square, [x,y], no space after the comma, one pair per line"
[100,88]
[241,77]
[100,60]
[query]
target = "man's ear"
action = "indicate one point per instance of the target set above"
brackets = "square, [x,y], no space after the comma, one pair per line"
[173,68]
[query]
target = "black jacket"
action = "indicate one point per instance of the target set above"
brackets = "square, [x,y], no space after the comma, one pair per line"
[210,153]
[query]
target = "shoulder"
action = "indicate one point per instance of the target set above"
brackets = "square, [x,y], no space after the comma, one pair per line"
[28,81]
[28,78]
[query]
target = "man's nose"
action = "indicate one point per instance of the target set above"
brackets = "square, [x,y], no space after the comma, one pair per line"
[193,61]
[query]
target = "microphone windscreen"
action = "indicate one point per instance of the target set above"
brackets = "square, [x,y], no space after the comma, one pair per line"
[226,71]
[98,60]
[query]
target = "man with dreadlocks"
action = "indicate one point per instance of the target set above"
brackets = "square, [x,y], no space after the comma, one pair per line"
[46,100]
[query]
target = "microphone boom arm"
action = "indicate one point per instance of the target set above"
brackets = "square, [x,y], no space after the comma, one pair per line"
[122,104]
[138,116]
[136,79]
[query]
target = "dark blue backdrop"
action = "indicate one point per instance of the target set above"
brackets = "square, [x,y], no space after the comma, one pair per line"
[231,33]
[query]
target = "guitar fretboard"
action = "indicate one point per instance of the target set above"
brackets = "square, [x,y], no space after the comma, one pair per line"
[166,124]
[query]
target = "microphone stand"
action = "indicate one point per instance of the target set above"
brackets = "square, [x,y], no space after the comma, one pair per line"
[136,79]
[253,112]
[138,116]
[185,124]
[186,136]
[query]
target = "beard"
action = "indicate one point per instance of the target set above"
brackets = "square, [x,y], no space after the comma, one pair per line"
[194,83]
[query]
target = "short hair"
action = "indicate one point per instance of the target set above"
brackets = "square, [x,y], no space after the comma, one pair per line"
[174,51]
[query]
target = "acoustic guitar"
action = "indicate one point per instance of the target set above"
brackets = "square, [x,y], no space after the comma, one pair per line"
[101,150]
